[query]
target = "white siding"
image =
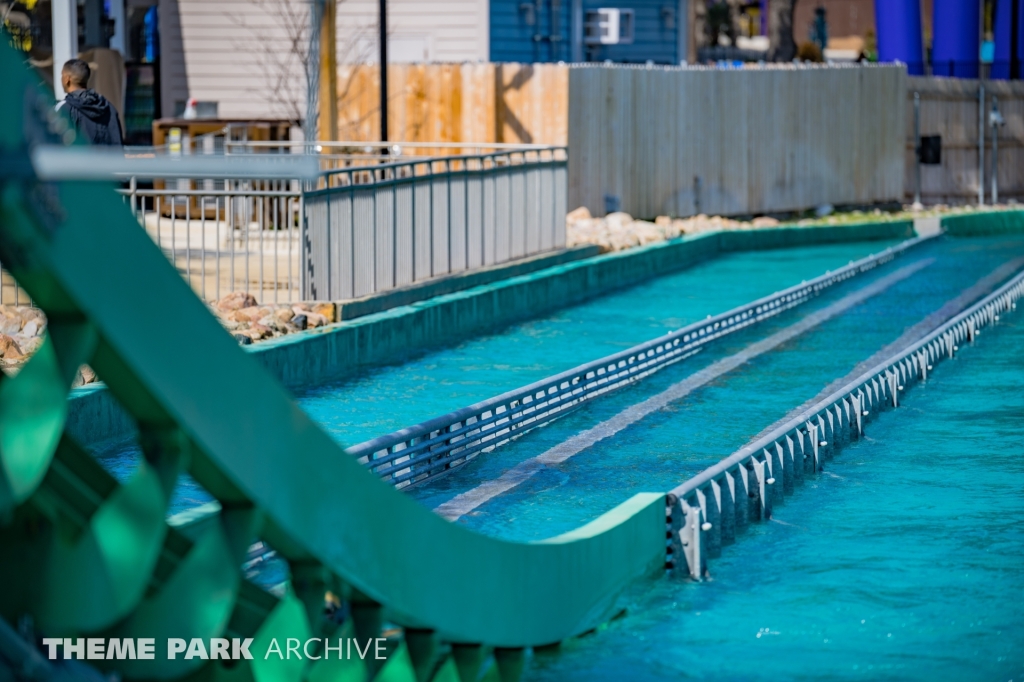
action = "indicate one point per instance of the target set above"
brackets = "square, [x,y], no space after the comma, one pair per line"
[236,52]
[453,31]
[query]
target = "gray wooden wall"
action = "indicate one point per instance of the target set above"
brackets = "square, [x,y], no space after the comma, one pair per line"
[756,140]
[949,107]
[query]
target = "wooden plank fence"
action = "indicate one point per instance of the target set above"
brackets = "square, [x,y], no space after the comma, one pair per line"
[483,102]
[949,107]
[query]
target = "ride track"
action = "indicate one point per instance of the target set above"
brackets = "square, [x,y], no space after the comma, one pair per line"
[88,556]
[91,556]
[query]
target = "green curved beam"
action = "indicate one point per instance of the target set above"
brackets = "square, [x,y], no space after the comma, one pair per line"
[78,252]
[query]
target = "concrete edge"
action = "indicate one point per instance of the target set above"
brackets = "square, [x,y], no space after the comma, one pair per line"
[374,303]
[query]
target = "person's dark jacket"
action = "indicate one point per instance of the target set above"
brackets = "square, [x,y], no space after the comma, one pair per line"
[94,117]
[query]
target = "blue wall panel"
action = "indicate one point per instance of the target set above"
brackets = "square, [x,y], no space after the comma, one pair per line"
[514,40]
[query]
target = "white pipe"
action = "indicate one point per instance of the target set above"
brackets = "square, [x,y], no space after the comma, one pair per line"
[65,39]
[85,163]
[118,14]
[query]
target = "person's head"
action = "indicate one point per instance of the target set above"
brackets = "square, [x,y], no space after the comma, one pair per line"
[75,75]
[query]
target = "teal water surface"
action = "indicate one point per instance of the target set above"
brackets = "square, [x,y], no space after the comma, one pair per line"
[389,398]
[902,562]
[386,399]
[670,445]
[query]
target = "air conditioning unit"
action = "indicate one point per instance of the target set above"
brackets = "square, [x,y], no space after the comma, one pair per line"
[609,26]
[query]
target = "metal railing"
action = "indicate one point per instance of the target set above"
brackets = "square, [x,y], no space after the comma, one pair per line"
[10,292]
[227,235]
[379,216]
[370,228]
[437,446]
[707,509]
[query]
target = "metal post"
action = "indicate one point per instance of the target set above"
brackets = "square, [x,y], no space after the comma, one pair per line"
[981,144]
[310,125]
[917,151]
[383,39]
[995,149]
[683,32]
[577,31]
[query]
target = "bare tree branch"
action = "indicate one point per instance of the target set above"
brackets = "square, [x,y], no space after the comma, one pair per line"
[287,56]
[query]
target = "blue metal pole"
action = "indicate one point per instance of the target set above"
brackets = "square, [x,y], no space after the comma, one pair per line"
[899,33]
[957,43]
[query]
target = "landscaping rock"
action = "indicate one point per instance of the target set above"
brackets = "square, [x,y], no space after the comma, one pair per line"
[577,215]
[9,350]
[324,309]
[29,345]
[10,321]
[85,376]
[236,300]
[316,320]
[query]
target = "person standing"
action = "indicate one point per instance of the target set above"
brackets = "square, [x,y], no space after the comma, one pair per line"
[92,115]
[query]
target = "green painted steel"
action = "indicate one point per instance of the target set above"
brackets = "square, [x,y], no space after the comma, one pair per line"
[85,555]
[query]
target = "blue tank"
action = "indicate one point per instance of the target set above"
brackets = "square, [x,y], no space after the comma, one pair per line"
[1004,30]
[899,33]
[957,42]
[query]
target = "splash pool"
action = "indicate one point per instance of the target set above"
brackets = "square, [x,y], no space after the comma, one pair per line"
[900,563]
[675,442]
[891,565]
[392,397]
[389,398]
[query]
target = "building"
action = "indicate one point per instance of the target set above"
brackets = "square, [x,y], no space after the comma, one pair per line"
[245,58]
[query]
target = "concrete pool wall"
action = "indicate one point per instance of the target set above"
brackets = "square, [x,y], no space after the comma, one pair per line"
[337,351]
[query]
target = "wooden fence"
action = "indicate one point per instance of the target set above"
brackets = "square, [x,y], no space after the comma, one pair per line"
[949,107]
[681,141]
[507,103]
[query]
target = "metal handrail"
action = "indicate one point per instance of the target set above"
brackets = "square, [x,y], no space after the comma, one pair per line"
[436,446]
[449,161]
[765,470]
[386,145]
[148,192]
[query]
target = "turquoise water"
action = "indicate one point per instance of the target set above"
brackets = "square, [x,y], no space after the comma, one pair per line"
[902,563]
[674,443]
[390,398]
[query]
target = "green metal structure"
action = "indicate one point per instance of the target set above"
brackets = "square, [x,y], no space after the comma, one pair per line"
[82,555]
